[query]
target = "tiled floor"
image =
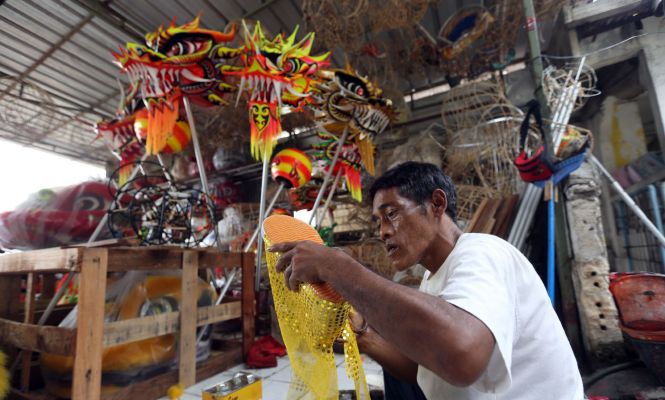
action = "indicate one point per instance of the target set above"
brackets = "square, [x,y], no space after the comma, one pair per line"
[276,380]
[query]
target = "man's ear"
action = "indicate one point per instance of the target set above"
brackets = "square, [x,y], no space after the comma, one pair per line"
[439,202]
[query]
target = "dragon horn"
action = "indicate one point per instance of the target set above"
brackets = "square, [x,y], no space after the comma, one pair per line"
[246,35]
[292,37]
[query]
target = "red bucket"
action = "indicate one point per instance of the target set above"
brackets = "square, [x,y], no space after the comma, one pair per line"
[640,299]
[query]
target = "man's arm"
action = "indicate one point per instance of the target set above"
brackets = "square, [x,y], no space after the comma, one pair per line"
[428,330]
[401,367]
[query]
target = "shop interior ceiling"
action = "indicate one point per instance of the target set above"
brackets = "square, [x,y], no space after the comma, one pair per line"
[57,77]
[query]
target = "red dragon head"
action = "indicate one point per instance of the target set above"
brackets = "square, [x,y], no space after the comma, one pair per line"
[125,134]
[175,61]
[55,217]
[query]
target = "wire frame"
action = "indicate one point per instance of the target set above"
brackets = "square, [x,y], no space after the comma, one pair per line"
[159,212]
[469,198]
[482,135]
[488,46]
[557,80]
[463,106]
[26,105]
[393,14]
[336,22]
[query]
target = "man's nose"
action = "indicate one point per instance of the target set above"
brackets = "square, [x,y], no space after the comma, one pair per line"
[385,231]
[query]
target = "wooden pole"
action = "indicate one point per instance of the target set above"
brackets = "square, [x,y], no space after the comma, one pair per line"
[28,318]
[188,313]
[90,326]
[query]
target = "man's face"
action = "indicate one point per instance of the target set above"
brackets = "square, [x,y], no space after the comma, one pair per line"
[406,227]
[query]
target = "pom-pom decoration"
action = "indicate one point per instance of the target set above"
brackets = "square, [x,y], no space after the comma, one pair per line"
[292,167]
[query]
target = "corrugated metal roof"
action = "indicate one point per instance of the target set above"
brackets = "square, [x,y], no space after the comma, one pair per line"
[56,72]
[56,67]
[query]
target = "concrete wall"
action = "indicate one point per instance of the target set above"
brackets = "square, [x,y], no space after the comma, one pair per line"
[648,44]
[620,135]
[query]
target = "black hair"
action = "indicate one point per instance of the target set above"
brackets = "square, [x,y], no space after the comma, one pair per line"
[416,181]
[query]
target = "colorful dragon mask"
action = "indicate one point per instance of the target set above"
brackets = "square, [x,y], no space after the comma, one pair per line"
[348,162]
[125,134]
[175,61]
[345,100]
[275,72]
[119,135]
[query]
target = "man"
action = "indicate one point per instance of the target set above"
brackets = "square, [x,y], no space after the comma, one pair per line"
[481,325]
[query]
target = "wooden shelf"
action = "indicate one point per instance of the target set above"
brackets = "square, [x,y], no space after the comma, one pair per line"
[87,341]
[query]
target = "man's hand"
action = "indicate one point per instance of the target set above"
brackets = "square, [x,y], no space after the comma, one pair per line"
[307,261]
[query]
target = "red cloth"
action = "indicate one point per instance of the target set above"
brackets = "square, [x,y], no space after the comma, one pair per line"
[264,353]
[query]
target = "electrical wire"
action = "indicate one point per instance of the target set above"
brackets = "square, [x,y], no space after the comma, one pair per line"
[601,49]
[600,374]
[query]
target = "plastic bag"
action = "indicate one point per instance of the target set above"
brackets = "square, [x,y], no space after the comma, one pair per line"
[55,217]
[136,294]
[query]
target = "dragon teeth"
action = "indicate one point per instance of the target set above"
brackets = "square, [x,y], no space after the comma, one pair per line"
[277,90]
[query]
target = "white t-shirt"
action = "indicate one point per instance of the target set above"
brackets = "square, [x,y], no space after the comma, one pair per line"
[532,359]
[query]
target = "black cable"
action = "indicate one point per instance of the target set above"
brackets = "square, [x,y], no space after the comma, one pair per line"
[600,374]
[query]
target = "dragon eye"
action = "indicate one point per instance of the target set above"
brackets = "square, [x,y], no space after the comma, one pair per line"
[360,91]
[289,66]
[293,65]
[88,203]
[184,47]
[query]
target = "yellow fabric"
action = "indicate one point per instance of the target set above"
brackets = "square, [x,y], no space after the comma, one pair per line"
[310,324]
[4,376]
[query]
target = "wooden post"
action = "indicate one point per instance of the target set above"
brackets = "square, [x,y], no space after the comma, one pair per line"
[28,318]
[248,302]
[90,326]
[187,367]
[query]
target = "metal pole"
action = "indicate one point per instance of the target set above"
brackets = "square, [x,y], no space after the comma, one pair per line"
[655,209]
[262,214]
[570,104]
[164,171]
[629,201]
[551,266]
[252,239]
[326,180]
[329,199]
[537,64]
[199,162]
[564,105]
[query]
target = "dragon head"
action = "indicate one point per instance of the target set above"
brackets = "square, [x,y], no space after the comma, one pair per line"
[118,133]
[125,134]
[275,72]
[348,161]
[346,100]
[175,61]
